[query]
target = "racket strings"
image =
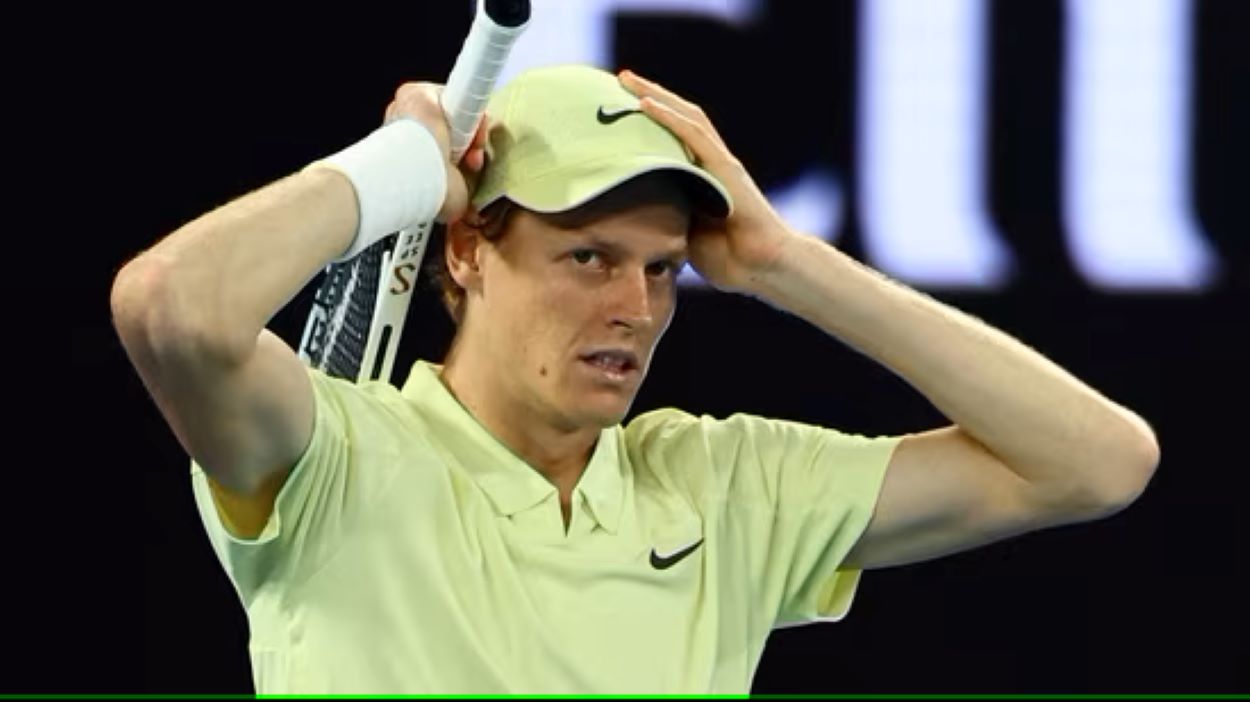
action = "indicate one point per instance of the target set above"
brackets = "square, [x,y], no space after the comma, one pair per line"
[344,310]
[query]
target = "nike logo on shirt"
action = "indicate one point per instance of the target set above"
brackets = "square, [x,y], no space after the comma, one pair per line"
[668,560]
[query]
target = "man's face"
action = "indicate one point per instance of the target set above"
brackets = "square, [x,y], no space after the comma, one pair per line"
[572,314]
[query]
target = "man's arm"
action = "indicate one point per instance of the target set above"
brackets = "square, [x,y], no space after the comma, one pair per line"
[191,313]
[1030,445]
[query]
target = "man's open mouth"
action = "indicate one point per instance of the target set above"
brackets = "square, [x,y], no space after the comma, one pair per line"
[614,363]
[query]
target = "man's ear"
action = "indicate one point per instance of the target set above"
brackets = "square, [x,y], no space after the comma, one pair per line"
[462,252]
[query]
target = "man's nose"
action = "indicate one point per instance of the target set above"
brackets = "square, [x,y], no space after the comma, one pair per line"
[631,299]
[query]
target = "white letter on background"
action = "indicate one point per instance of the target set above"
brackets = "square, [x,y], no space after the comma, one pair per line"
[921,155]
[1128,213]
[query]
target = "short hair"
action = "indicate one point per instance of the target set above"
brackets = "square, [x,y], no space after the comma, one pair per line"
[656,187]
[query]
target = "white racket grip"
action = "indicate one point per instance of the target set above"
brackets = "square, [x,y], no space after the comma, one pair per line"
[473,76]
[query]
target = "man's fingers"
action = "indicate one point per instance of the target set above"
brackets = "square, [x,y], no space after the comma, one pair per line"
[479,136]
[653,89]
[706,147]
[483,129]
[475,154]
[474,159]
[647,88]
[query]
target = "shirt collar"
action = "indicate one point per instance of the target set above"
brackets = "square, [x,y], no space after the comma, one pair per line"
[511,484]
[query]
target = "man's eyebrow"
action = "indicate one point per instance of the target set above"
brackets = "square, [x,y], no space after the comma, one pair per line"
[679,253]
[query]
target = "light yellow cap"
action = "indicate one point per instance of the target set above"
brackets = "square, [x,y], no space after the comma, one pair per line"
[564,135]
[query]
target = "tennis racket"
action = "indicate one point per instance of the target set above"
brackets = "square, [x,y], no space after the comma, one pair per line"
[360,307]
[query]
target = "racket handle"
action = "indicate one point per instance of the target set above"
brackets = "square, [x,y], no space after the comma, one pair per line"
[496,25]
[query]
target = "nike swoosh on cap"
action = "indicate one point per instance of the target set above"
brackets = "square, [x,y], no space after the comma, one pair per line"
[610,117]
[669,560]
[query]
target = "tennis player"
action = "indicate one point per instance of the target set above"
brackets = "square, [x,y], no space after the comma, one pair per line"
[493,526]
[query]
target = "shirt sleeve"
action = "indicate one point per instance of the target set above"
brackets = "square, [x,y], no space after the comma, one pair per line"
[349,459]
[792,500]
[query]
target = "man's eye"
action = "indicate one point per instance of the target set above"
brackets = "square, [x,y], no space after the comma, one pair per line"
[585,256]
[659,268]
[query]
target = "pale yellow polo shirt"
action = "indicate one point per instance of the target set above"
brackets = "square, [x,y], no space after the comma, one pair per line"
[411,552]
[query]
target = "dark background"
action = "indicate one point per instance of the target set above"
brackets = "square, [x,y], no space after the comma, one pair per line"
[214,101]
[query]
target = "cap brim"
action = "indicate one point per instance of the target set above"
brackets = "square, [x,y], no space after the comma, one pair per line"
[568,188]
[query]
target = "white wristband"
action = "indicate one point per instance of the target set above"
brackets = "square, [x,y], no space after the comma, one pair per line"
[400,178]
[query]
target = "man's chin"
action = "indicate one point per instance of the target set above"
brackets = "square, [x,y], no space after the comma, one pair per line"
[604,415]
[601,406]
[603,420]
